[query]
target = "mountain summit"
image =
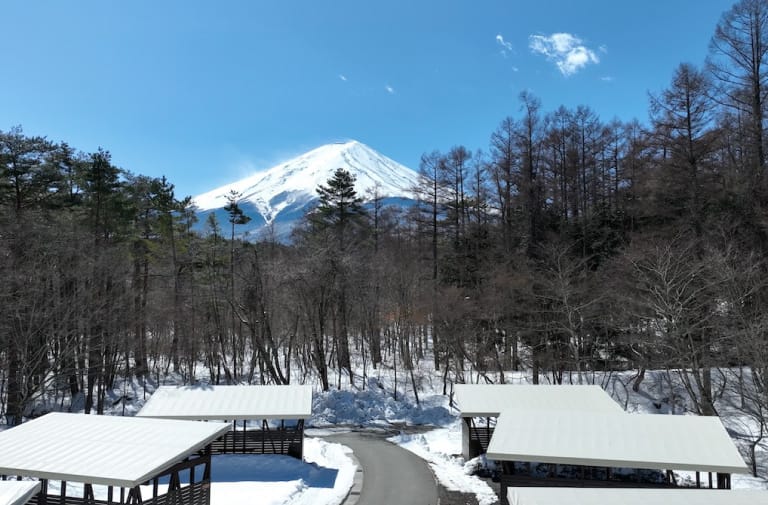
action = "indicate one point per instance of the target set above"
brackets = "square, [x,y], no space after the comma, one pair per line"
[275,198]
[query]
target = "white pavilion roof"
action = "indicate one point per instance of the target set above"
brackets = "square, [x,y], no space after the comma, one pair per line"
[17,492]
[229,402]
[108,450]
[482,400]
[649,441]
[633,496]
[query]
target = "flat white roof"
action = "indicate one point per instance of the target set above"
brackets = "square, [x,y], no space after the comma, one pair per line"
[490,400]
[229,402]
[17,492]
[616,440]
[108,450]
[633,496]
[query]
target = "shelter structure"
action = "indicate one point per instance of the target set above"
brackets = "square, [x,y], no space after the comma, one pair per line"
[14,492]
[85,459]
[279,410]
[481,405]
[588,449]
[613,496]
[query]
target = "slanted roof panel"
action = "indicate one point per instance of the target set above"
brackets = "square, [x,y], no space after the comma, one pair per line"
[229,402]
[13,492]
[109,450]
[630,496]
[480,400]
[616,440]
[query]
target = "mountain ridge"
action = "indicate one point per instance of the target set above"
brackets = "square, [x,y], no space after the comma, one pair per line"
[281,194]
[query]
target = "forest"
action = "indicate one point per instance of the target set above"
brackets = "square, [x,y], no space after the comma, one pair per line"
[571,244]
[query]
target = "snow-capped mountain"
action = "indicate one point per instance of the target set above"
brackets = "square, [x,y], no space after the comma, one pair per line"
[276,197]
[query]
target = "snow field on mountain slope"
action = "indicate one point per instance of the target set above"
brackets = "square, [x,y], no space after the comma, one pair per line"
[303,174]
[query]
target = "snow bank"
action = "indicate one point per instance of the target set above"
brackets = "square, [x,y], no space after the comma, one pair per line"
[376,406]
[440,448]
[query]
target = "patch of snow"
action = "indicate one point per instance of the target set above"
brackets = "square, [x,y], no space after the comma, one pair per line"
[441,448]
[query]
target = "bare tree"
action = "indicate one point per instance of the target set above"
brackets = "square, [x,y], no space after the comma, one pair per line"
[739,61]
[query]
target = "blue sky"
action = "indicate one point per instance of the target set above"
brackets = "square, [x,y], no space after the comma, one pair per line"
[207,92]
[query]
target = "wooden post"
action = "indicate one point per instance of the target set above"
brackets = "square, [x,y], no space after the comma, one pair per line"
[301,437]
[207,470]
[234,435]
[88,496]
[134,496]
[698,480]
[43,496]
[723,480]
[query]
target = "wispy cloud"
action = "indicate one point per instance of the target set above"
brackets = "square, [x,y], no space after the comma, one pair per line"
[389,89]
[567,51]
[506,47]
[343,77]
[607,78]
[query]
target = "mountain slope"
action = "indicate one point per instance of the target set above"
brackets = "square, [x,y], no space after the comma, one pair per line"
[275,198]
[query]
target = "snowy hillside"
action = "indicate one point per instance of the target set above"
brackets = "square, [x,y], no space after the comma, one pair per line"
[280,195]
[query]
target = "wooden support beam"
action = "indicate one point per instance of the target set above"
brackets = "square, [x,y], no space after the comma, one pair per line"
[43,496]
[134,496]
[88,496]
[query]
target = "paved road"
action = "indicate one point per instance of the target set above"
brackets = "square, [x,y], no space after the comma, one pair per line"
[391,475]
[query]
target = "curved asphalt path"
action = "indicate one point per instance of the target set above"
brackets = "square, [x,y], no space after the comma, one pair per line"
[391,475]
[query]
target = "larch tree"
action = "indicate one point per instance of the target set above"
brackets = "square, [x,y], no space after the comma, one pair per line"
[682,117]
[739,62]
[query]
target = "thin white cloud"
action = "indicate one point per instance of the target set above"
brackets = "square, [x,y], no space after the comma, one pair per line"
[603,49]
[567,51]
[506,47]
[389,89]
[607,78]
[343,77]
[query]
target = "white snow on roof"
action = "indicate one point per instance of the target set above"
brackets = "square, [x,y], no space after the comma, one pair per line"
[13,492]
[629,496]
[480,400]
[109,450]
[650,441]
[229,402]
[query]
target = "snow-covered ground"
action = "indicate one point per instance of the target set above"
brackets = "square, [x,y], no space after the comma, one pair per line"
[441,448]
[385,402]
[324,478]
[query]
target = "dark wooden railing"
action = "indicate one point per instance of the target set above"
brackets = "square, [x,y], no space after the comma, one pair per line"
[268,440]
